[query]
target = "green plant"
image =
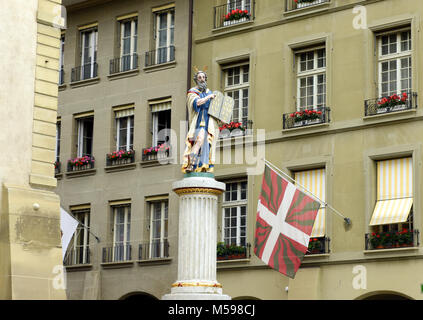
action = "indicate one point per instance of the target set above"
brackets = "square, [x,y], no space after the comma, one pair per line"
[405,237]
[314,245]
[375,240]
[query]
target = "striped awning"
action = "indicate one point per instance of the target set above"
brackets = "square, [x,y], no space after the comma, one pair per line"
[394,191]
[314,182]
[161,105]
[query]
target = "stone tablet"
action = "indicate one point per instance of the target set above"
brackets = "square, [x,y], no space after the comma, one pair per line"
[221,107]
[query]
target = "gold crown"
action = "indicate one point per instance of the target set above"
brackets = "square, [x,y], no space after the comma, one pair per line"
[197,70]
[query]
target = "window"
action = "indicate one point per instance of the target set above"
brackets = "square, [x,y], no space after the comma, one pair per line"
[164,35]
[85,136]
[393,209]
[61,59]
[234,213]
[88,53]
[160,119]
[237,4]
[128,44]
[122,232]
[125,129]
[237,87]
[158,229]
[314,181]
[394,63]
[78,252]
[58,134]
[311,79]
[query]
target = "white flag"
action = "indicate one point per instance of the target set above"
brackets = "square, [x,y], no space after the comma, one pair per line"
[68,226]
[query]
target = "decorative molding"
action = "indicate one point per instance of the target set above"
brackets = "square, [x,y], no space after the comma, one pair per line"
[187,191]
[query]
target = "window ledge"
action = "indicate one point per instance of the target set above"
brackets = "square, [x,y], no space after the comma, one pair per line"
[161,66]
[117,264]
[85,82]
[307,10]
[58,176]
[155,261]
[232,261]
[62,87]
[409,112]
[79,267]
[404,249]
[121,167]
[317,255]
[123,74]
[241,26]
[313,126]
[81,173]
[155,163]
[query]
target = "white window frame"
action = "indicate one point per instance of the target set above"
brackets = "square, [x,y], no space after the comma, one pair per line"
[126,231]
[230,90]
[163,227]
[61,58]
[58,136]
[91,50]
[133,41]
[170,34]
[313,73]
[81,137]
[155,126]
[82,228]
[398,56]
[308,4]
[129,145]
[236,204]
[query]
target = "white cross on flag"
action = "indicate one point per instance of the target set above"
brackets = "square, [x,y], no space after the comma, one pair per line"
[285,218]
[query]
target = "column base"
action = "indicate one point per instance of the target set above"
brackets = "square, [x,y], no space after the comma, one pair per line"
[195,296]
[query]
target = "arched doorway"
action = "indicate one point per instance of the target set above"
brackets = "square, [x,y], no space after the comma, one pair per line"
[138,296]
[385,295]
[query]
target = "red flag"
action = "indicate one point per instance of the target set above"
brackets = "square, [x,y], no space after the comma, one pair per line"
[285,218]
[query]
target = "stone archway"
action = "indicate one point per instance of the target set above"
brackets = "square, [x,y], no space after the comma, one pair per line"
[138,296]
[384,295]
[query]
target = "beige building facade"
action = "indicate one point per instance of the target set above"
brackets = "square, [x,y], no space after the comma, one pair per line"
[125,66]
[356,151]
[30,248]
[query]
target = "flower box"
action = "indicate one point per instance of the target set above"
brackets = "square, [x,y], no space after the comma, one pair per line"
[81,163]
[120,157]
[392,103]
[230,252]
[392,239]
[236,15]
[314,246]
[306,117]
[232,129]
[158,152]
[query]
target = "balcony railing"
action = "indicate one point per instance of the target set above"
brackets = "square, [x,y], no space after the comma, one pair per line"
[117,253]
[77,256]
[394,103]
[124,63]
[153,250]
[84,72]
[306,118]
[127,158]
[292,5]
[244,128]
[393,240]
[319,246]
[159,56]
[233,13]
[227,252]
[164,151]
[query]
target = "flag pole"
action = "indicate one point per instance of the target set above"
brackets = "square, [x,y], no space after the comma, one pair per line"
[88,228]
[323,203]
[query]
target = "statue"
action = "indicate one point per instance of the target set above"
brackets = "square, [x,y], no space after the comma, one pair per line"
[200,143]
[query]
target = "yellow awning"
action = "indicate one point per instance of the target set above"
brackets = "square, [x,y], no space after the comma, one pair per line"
[391,211]
[394,191]
[314,181]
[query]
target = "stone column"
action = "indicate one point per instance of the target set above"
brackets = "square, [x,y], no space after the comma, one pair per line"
[197,239]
